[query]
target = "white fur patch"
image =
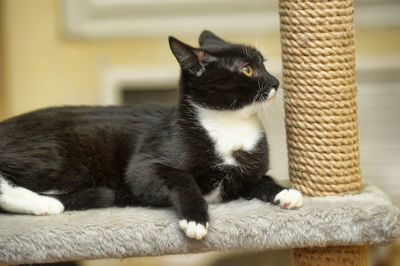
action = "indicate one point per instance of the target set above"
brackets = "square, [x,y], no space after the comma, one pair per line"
[215,195]
[232,130]
[271,94]
[193,230]
[21,200]
[289,199]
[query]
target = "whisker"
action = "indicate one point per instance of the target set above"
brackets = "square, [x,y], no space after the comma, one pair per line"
[232,106]
[264,105]
[257,37]
[259,88]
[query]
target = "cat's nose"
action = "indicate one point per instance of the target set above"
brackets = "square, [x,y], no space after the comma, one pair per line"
[274,83]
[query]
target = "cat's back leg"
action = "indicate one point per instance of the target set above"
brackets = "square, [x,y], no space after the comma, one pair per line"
[17,199]
[90,198]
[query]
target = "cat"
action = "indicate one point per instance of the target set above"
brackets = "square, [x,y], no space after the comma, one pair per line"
[209,148]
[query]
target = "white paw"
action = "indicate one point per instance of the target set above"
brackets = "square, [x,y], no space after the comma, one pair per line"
[47,206]
[289,199]
[192,229]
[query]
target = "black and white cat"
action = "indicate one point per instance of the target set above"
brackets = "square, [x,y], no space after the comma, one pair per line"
[210,147]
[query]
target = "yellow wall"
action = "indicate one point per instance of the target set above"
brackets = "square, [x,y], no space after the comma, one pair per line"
[45,68]
[2,66]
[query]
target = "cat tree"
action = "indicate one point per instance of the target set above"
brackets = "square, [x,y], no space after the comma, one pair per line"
[322,137]
[321,109]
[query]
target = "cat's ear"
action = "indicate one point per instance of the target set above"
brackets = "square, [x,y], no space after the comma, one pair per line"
[191,59]
[208,38]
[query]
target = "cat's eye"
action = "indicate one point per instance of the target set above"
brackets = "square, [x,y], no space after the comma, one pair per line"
[247,70]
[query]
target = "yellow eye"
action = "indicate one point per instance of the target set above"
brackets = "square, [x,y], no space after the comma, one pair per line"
[247,70]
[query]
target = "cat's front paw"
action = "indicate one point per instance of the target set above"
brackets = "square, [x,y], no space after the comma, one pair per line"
[289,199]
[193,230]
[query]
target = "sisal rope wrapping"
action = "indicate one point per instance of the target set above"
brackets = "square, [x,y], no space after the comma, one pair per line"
[331,256]
[320,96]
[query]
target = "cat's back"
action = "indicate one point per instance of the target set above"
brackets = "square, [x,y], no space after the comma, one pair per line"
[102,122]
[58,118]
[43,142]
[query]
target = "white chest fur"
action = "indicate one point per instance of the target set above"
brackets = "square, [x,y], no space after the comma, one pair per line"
[231,130]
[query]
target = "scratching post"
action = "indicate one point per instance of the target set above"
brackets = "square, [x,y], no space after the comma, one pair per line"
[320,96]
[321,110]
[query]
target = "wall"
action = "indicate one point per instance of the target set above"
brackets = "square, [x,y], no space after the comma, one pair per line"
[2,66]
[44,68]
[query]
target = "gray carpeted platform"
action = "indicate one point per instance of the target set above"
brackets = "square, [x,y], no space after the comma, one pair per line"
[129,232]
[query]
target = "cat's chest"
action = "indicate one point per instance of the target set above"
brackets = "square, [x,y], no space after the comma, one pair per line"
[230,133]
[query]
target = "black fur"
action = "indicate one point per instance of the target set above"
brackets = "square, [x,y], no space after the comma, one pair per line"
[148,155]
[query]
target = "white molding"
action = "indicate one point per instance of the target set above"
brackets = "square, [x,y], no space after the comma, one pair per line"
[377,16]
[158,18]
[94,19]
[114,80]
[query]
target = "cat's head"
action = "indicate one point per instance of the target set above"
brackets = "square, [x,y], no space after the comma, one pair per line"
[222,76]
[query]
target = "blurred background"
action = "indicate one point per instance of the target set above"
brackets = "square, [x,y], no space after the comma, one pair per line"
[102,52]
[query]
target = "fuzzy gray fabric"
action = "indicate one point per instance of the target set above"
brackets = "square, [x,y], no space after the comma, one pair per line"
[128,232]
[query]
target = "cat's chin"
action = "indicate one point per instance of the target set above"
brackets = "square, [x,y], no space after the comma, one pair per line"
[248,111]
[251,110]
[254,108]
[271,96]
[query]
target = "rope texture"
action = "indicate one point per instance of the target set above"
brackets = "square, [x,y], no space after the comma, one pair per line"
[331,256]
[320,96]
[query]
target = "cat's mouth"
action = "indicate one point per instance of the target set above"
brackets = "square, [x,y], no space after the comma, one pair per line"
[271,95]
[259,104]
[266,96]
